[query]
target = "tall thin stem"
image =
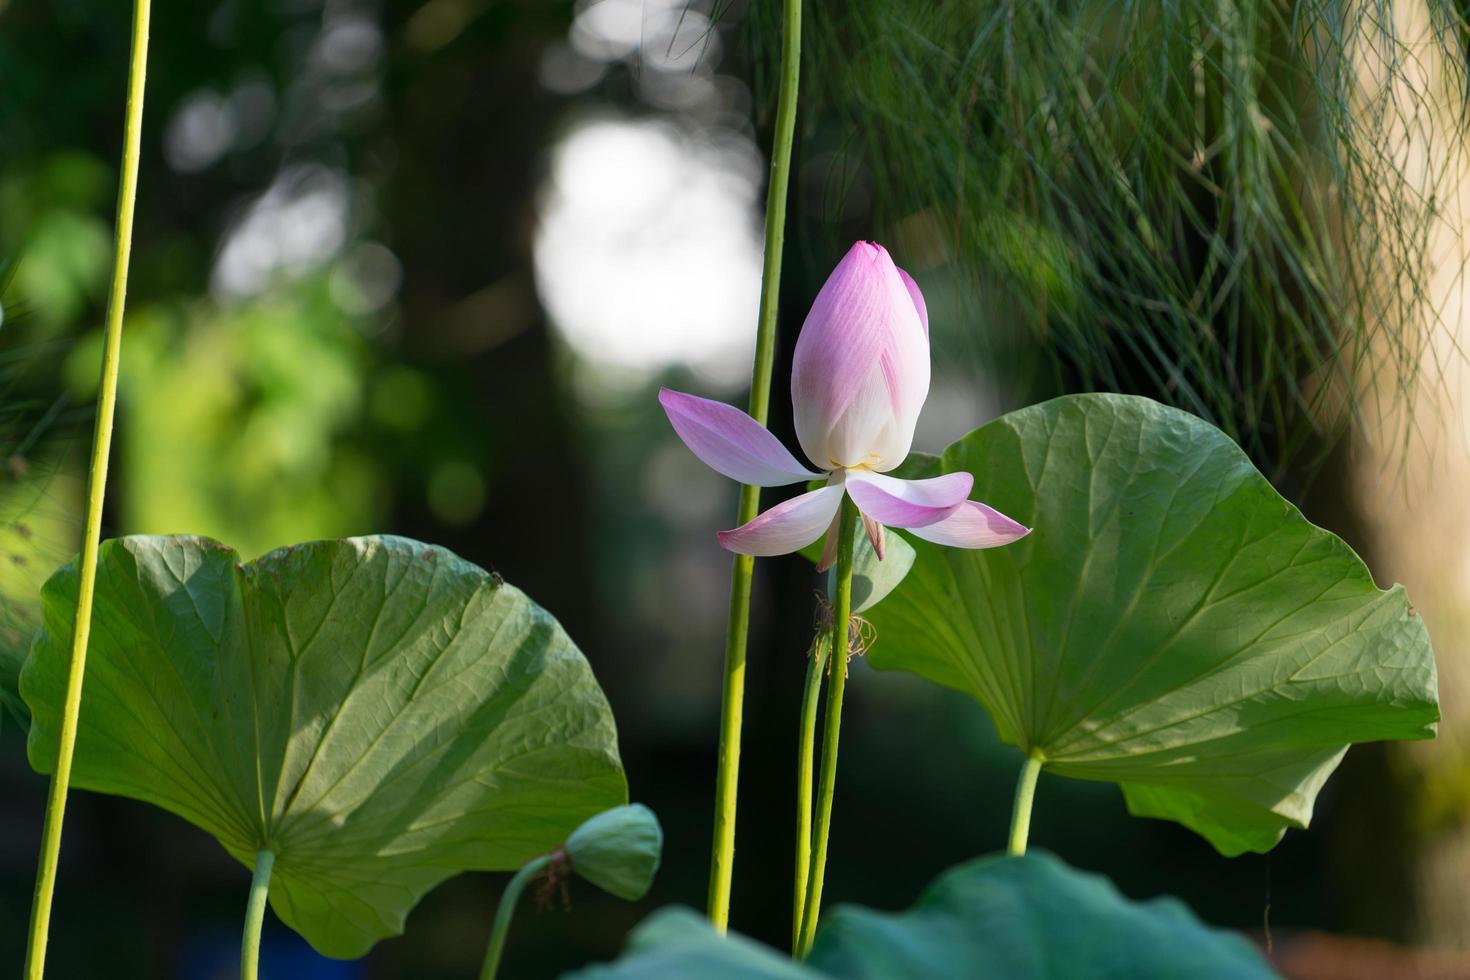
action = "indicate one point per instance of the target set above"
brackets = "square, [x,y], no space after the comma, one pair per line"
[1021,810]
[506,912]
[732,701]
[260,885]
[96,488]
[805,753]
[841,618]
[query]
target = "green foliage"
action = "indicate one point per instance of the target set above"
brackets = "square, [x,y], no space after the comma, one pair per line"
[56,227]
[39,496]
[1029,918]
[1171,624]
[377,712]
[618,850]
[263,455]
[1201,201]
[37,531]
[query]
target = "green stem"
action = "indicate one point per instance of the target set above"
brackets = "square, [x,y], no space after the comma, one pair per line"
[507,911]
[841,616]
[805,753]
[1021,811]
[96,487]
[732,700]
[260,886]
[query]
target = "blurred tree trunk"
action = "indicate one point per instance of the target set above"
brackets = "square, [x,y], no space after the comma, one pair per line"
[468,120]
[460,155]
[1408,474]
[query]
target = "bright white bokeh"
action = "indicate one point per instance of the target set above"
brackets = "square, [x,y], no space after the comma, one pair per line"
[199,132]
[668,35]
[648,250]
[294,228]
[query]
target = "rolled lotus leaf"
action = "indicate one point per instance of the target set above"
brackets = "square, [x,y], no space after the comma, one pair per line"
[618,850]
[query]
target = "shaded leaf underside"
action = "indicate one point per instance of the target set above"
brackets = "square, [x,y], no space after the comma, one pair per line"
[377,712]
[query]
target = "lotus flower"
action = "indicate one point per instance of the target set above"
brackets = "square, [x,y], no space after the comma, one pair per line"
[858,381]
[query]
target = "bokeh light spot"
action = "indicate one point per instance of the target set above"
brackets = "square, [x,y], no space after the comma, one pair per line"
[647,253]
[456,492]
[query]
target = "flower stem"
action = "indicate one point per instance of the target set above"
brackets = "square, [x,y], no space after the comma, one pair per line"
[260,884]
[806,751]
[506,911]
[1021,811]
[732,700]
[96,487]
[841,616]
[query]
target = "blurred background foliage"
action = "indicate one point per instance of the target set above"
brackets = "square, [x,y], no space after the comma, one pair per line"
[418,266]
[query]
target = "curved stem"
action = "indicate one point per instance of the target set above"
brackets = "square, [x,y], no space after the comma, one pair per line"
[1021,810]
[506,911]
[260,884]
[805,752]
[841,616]
[96,487]
[732,700]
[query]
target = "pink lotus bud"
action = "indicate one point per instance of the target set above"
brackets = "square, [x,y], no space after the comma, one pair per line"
[861,369]
[860,377]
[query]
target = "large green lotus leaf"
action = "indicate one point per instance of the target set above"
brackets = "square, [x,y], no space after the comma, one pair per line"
[1172,624]
[1028,918]
[379,713]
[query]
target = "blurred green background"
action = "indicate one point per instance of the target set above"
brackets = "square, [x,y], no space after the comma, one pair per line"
[419,266]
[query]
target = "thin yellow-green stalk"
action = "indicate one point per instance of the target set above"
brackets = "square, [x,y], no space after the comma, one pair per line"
[1021,808]
[841,624]
[96,489]
[732,700]
[805,754]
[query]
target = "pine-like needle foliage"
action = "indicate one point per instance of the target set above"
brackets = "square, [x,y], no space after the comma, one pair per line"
[38,500]
[1198,200]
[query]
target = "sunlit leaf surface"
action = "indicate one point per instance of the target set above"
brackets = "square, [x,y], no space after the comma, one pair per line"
[1172,624]
[376,711]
